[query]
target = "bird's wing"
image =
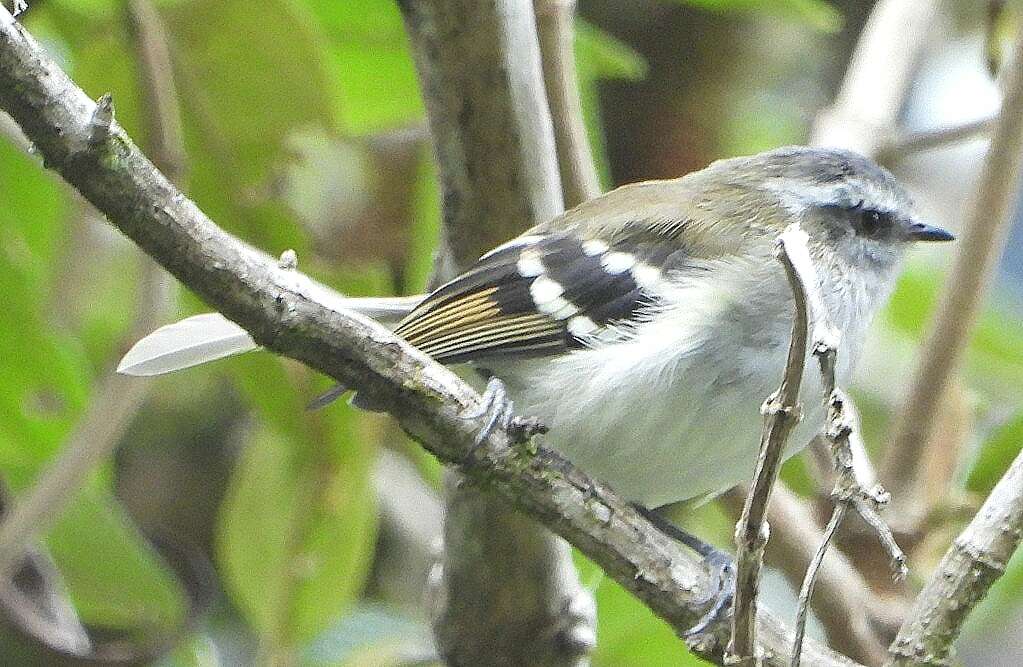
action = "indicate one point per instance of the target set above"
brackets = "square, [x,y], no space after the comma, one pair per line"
[561,286]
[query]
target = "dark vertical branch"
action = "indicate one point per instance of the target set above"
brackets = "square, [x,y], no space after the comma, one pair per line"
[503,577]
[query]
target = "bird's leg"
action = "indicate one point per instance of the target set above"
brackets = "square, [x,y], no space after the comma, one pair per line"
[720,564]
[500,411]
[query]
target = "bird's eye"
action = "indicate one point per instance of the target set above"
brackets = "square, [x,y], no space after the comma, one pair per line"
[869,222]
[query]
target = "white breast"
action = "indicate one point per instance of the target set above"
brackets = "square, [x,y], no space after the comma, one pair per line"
[673,412]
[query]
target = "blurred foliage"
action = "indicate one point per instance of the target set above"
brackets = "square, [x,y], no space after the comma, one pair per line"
[816,13]
[303,124]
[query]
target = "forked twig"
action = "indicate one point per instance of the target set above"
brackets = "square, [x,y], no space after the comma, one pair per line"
[781,414]
[840,430]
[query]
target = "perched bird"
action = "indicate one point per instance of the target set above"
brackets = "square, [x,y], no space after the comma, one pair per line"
[644,328]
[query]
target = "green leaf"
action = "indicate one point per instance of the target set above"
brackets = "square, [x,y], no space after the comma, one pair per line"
[601,55]
[374,633]
[371,63]
[298,525]
[115,578]
[629,635]
[46,377]
[249,73]
[995,456]
[814,13]
[995,360]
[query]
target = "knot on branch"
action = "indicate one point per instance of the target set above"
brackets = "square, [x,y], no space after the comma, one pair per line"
[774,406]
[101,121]
[288,260]
[826,340]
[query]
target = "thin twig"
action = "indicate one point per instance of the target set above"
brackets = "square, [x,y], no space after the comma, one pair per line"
[806,592]
[838,433]
[910,143]
[975,560]
[849,492]
[981,244]
[579,180]
[842,592]
[426,399]
[866,109]
[781,412]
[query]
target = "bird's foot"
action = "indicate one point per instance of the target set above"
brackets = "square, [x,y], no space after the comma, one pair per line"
[500,412]
[722,570]
[718,563]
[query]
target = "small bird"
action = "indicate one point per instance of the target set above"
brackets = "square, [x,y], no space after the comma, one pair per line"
[644,328]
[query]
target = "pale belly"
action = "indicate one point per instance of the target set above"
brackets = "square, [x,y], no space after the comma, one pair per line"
[657,425]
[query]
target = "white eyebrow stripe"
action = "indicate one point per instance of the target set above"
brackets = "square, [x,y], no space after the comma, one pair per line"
[617,262]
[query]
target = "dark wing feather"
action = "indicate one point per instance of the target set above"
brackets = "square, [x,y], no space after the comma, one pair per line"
[541,295]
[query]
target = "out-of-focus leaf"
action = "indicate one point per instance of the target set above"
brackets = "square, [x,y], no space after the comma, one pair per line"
[995,456]
[601,55]
[237,118]
[629,635]
[200,651]
[371,64]
[114,577]
[298,525]
[815,13]
[385,634]
[45,375]
[996,348]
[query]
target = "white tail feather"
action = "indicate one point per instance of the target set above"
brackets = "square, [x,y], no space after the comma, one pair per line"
[190,342]
[203,338]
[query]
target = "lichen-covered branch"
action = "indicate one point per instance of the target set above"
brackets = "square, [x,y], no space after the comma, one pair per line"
[974,561]
[281,312]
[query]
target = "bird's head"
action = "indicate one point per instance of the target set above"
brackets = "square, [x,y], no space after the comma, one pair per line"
[851,208]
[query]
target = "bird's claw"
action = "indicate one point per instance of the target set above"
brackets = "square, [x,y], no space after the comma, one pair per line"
[721,568]
[500,411]
[723,571]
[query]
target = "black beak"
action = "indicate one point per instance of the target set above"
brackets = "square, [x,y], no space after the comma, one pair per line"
[918,231]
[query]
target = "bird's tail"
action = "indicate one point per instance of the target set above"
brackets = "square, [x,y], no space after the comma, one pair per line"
[203,338]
